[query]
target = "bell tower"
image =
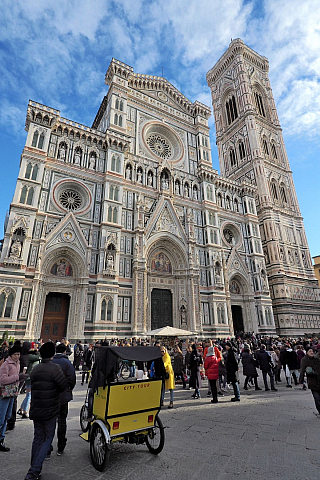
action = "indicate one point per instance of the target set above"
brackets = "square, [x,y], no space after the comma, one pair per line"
[251,149]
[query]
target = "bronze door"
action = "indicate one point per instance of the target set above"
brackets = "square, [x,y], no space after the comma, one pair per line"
[161,308]
[55,317]
[237,318]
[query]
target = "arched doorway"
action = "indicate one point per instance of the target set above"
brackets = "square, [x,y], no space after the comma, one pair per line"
[237,318]
[55,317]
[161,308]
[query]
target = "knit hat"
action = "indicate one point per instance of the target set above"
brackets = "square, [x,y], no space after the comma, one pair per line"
[210,352]
[47,350]
[61,348]
[26,347]
[228,344]
[309,347]
[14,349]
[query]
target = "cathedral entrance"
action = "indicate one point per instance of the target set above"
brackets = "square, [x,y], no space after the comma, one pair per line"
[237,318]
[161,308]
[55,317]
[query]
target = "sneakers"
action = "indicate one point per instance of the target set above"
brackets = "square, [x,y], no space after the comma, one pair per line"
[24,415]
[59,453]
[48,456]
[235,399]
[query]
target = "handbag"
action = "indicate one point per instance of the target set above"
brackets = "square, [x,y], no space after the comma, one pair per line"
[11,390]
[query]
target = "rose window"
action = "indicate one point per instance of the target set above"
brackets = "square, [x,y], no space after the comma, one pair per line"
[228,235]
[159,146]
[70,200]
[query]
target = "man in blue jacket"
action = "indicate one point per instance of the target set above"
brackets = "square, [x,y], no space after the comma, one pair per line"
[68,369]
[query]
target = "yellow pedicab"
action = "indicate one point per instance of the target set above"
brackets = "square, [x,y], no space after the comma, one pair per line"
[124,410]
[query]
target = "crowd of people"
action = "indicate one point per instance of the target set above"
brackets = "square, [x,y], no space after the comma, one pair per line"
[45,373]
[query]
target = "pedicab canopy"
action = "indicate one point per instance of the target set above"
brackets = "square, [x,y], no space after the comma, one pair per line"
[107,360]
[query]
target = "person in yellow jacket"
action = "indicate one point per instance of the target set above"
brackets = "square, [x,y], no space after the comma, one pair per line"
[169,382]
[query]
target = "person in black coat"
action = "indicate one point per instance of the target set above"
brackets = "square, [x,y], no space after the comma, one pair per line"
[249,368]
[265,364]
[87,363]
[292,362]
[232,371]
[47,382]
[310,365]
[68,369]
[195,376]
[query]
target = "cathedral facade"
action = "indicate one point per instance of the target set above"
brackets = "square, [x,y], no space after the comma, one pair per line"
[124,226]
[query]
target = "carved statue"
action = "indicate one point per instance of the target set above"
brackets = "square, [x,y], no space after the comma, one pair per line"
[165,184]
[77,158]
[177,189]
[186,191]
[62,152]
[128,173]
[139,176]
[150,179]
[16,249]
[110,261]
[92,162]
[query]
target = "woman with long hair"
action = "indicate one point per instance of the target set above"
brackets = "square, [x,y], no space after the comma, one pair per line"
[195,376]
[169,381]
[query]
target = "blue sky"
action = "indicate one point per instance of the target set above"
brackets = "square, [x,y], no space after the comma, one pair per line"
[57,53]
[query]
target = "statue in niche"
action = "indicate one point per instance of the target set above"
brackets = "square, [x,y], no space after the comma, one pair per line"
[77,157]
[183,316]
[186,191]
[195,194]
[110,261]
[62,152]
[150,179]
[165,184]
[177,189]
[16,248]
[92,162]
[139,176]
[128,173]
[217,272]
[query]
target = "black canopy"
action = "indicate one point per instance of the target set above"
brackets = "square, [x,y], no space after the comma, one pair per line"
[107,360]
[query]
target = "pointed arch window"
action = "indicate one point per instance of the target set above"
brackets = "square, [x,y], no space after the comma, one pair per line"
[116,119]
[259,104]
[103,310]
[236,205]
[6,304]
[35,172]
[231,109]
[265,147]
[109,311]
[35,138]
[283,194]
[111,190]
[233,158]
[121,106]
[110,214]
[242,152]
[117,104]
[28,170]
[120,121]
[115,215]
[23,195]
[41,141]
[274,151]
[219,200]
[274,191]
[30,196]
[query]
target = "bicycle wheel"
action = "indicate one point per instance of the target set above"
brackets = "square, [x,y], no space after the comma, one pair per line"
[99,448]
[155,437]
[84,424]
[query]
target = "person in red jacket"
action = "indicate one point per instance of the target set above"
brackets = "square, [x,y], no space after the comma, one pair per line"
[211,366]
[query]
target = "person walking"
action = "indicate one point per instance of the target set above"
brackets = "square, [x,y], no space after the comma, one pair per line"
[66,396]
[249,368]
[32,359]
[211,366]
[265,363]
[310,365]
[292,366]
[178,365]
[232,369]
[195,376]
[9,386]
[47,382]
[77,354]
[169,375]
[87,363]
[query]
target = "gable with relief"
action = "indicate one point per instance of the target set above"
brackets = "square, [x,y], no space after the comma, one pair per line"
[165,219]
[67,233]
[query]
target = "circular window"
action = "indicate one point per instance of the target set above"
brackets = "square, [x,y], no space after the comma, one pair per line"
[159,145]
[162,142]
[231,234]
[72,196]
[70,200]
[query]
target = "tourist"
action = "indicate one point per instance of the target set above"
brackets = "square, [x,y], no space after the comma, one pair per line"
[169,375]
[310,365]
[232,370]
[249,368]
[265,363]
[33,358]
[195,376]
[211,366]
[178,365]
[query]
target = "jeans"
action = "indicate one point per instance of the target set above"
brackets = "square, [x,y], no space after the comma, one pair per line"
[6,405]
[62,427]
[171,394]
[222,382]
[264,374]
[295,374]
[42,439]
[236,389]
[26,402]
[316,396]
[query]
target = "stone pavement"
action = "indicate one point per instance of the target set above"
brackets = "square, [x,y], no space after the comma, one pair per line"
[266,435]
